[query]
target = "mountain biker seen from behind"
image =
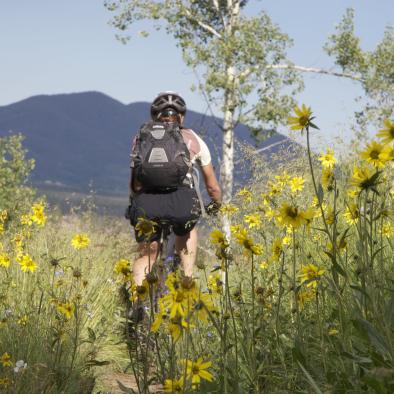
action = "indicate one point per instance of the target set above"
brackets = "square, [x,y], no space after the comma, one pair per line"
[162,186]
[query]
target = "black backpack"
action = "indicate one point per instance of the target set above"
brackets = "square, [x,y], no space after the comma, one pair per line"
[161,158]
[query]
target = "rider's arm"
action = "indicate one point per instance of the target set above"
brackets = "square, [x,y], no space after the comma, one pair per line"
[211,183]
[134,185]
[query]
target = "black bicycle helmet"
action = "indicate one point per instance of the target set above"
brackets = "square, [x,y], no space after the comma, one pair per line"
[166,100]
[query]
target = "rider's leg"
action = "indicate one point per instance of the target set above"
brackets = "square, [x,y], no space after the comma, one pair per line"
[147,256]
[186,247]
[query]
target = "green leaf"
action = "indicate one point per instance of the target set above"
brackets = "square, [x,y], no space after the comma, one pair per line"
[377,386]
[362,291]
[370,332]
[310,379]
[313,126]
[356,358]
[92,334]
[344,235]
[390,310]
[320,193]
[339,269]
[298,354]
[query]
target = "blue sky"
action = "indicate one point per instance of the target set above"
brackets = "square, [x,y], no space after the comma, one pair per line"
[55,46]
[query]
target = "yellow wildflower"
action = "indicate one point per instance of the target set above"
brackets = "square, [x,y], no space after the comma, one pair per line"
[67,309]
[311,274]
[352,213]
[197,370]
[269,213]
[4,260]
[201,306]
[387,230]
[5,359]
[26,220]
[327,178]
[38,215]
[353,193]
[286,240]
[27,264]
[145,227]
[363,178]
[122,267]
[244,240]
[5,382]
[332,332]
[3,215]
[177,303]
[329,215]
[375,154]
[80,241]
[228,209]
[274,189]
[218,238]
[256,249]
[282,179]
[302,118]
[265,199]
[173,386]
[296,184]
[277,249]
[387,134]
[327,159]
[289,215]
[215,284]
[264,265]
[254,220]
[245,194]
[23,320]
[18,241]
[235,228]
[140,292]
[305,296]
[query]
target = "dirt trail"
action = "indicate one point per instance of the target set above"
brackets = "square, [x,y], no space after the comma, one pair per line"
[111,379]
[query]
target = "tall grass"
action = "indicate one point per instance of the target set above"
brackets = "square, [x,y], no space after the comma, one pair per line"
[299,299]
[61,318]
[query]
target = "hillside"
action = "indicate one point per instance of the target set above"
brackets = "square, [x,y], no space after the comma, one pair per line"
[81,141]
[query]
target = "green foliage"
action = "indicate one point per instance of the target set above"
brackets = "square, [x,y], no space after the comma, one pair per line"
[215,36]
[373,68]
[14,171]
[64,353]
[289,308]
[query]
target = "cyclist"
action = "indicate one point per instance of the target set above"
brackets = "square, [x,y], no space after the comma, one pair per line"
[180,205]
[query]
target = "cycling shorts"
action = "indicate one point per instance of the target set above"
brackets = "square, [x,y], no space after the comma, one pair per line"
[179,207]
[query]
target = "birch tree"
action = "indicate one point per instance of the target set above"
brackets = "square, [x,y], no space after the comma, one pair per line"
[241,61]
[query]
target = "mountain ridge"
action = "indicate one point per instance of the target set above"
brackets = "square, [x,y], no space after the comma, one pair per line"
[82,138]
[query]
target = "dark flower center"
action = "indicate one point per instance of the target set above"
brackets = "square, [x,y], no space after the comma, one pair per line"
[374,154]
[292,212]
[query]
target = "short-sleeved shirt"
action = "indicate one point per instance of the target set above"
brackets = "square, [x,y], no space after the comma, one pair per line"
[181,207]
[199,151]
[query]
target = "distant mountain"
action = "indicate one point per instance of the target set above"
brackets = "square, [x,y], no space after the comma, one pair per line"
[82,140]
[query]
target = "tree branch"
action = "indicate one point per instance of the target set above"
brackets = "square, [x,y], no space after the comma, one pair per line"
[206,27]
[250,70]
[313,70]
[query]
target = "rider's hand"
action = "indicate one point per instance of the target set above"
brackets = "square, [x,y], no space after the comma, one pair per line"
[212,209]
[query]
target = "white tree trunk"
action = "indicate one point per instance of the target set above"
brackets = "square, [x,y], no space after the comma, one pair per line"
[227,164]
